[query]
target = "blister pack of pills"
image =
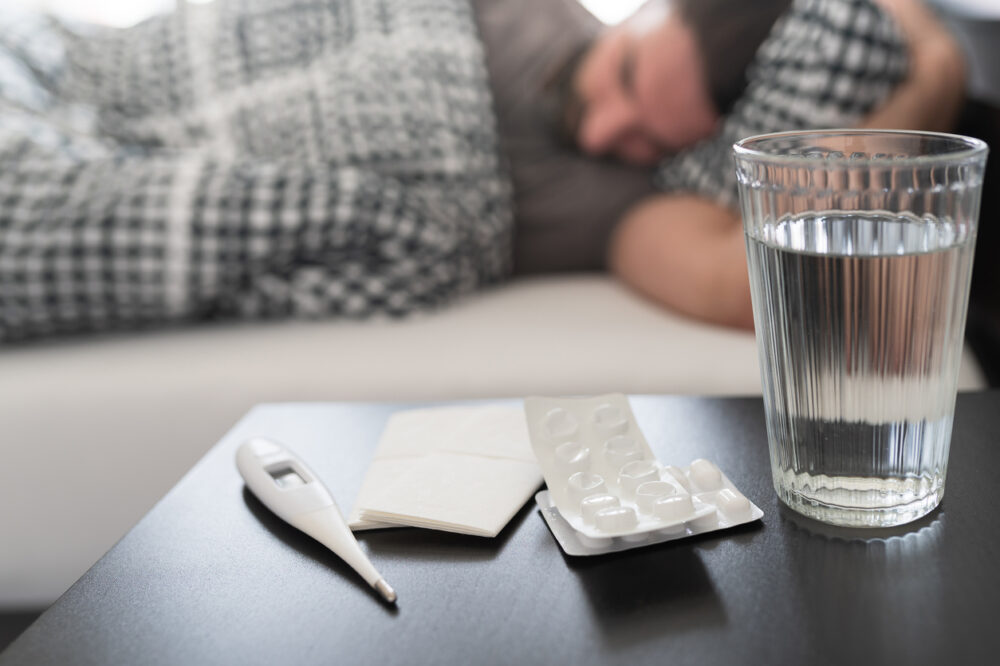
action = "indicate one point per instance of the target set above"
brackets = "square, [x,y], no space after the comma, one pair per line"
[608,492]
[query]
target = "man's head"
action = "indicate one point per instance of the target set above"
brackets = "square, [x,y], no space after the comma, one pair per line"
[641,90]
[660,81]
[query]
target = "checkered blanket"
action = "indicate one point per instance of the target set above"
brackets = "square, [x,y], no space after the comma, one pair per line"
[311,157]
[246,158]
[826,63]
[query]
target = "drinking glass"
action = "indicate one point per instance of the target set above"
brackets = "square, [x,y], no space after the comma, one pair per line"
[859,247]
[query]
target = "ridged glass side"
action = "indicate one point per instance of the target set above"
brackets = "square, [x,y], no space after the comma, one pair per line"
[859,307]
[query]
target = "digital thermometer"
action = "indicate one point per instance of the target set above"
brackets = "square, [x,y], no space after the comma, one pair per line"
[292,492]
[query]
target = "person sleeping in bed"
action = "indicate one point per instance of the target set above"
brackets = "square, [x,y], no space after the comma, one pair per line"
[364,157]
[675,86]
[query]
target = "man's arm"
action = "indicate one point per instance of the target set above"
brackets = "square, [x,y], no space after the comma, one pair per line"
[688,253]
[932,95]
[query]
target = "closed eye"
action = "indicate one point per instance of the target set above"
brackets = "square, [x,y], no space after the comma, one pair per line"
[626,72]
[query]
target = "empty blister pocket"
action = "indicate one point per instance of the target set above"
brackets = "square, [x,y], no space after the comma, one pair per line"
[606,489]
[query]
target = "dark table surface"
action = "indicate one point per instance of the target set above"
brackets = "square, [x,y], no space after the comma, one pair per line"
[209,576]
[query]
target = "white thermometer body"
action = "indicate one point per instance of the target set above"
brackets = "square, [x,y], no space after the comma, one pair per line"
[293,493]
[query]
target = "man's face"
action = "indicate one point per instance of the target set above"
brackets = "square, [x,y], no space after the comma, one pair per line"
[641,94]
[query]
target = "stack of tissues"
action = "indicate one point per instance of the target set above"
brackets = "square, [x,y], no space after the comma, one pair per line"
[457,469]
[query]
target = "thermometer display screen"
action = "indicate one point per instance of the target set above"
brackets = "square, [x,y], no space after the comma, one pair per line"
[286,477]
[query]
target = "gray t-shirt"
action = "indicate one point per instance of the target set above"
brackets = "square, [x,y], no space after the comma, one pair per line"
[565,204]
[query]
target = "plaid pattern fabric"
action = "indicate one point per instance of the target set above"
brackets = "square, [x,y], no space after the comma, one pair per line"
[826,63]
[246,158]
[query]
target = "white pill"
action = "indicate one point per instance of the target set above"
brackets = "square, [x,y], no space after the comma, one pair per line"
[620,450]
[635,473]
[584,484]
[589,506]
[616,519]
[673,508]
[609,420]
[572,457]
[734,505]
[649,492]
[704,475]
[679,476]
[560,424]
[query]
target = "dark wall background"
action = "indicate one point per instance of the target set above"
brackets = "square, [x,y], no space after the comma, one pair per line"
[983,329]
[978,31]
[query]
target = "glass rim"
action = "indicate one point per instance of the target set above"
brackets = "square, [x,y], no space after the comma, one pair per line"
[970,148]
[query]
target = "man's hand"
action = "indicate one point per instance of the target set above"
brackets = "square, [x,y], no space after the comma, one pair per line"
[687,253]
[931,96]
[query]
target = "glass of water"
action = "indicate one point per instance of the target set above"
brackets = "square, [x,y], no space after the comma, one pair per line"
[859,246]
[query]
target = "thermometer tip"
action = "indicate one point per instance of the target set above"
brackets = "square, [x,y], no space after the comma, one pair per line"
[385,590]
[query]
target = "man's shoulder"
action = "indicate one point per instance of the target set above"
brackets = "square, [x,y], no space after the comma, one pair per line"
[819,25]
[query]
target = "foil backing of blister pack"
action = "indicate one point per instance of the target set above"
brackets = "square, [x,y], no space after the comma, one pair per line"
[606,489]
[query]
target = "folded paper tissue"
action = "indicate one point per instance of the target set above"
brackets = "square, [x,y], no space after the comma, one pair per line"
[457,469]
